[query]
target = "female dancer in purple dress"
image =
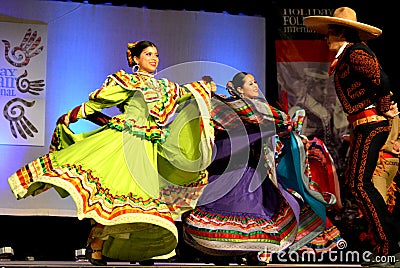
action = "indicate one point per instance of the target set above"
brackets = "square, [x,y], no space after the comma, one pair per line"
[245,208]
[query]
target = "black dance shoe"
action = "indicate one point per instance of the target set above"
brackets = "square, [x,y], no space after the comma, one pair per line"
[147,263]
[96,262]
[144,262]
[252,260]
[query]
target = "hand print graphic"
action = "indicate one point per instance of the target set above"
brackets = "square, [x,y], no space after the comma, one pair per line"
[23,100]
[20,56]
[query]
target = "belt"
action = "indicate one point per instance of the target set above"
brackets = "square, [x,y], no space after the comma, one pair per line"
[368,119]
[391,163]
[362,114]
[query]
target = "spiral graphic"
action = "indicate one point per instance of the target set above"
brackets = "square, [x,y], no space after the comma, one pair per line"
[341,244]
[20,56]
[14,112]
[25,85]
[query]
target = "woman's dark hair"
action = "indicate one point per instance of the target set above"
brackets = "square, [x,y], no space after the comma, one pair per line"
[135,49]
[237,81]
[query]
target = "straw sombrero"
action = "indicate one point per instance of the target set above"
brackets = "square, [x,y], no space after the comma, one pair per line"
[343,16]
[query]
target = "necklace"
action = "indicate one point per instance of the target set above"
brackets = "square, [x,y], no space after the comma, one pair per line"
[148,82]
[146,74]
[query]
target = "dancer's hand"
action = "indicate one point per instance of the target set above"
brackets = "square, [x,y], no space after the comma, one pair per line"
[396,147]
[393,111]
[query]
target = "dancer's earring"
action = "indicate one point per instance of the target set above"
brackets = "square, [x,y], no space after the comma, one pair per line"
[135,68]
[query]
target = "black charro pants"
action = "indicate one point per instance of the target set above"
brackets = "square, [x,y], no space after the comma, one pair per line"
[367,140]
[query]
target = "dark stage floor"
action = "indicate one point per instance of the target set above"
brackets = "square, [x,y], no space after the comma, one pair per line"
[157,264]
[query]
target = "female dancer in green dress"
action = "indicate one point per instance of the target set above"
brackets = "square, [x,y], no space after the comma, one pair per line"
[140,171]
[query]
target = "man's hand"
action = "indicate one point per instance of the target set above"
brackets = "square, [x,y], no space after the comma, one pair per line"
[393,111]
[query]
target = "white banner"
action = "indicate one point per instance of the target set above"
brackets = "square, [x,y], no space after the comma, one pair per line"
[22,82]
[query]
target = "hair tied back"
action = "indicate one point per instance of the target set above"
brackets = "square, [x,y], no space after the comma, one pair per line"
[132,45]
[129,53]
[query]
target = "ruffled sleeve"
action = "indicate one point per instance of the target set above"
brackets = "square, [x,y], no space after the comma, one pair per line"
[115,90]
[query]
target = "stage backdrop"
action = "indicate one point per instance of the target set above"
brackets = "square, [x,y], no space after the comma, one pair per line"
[303,60]
[87,42]
[22,81]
